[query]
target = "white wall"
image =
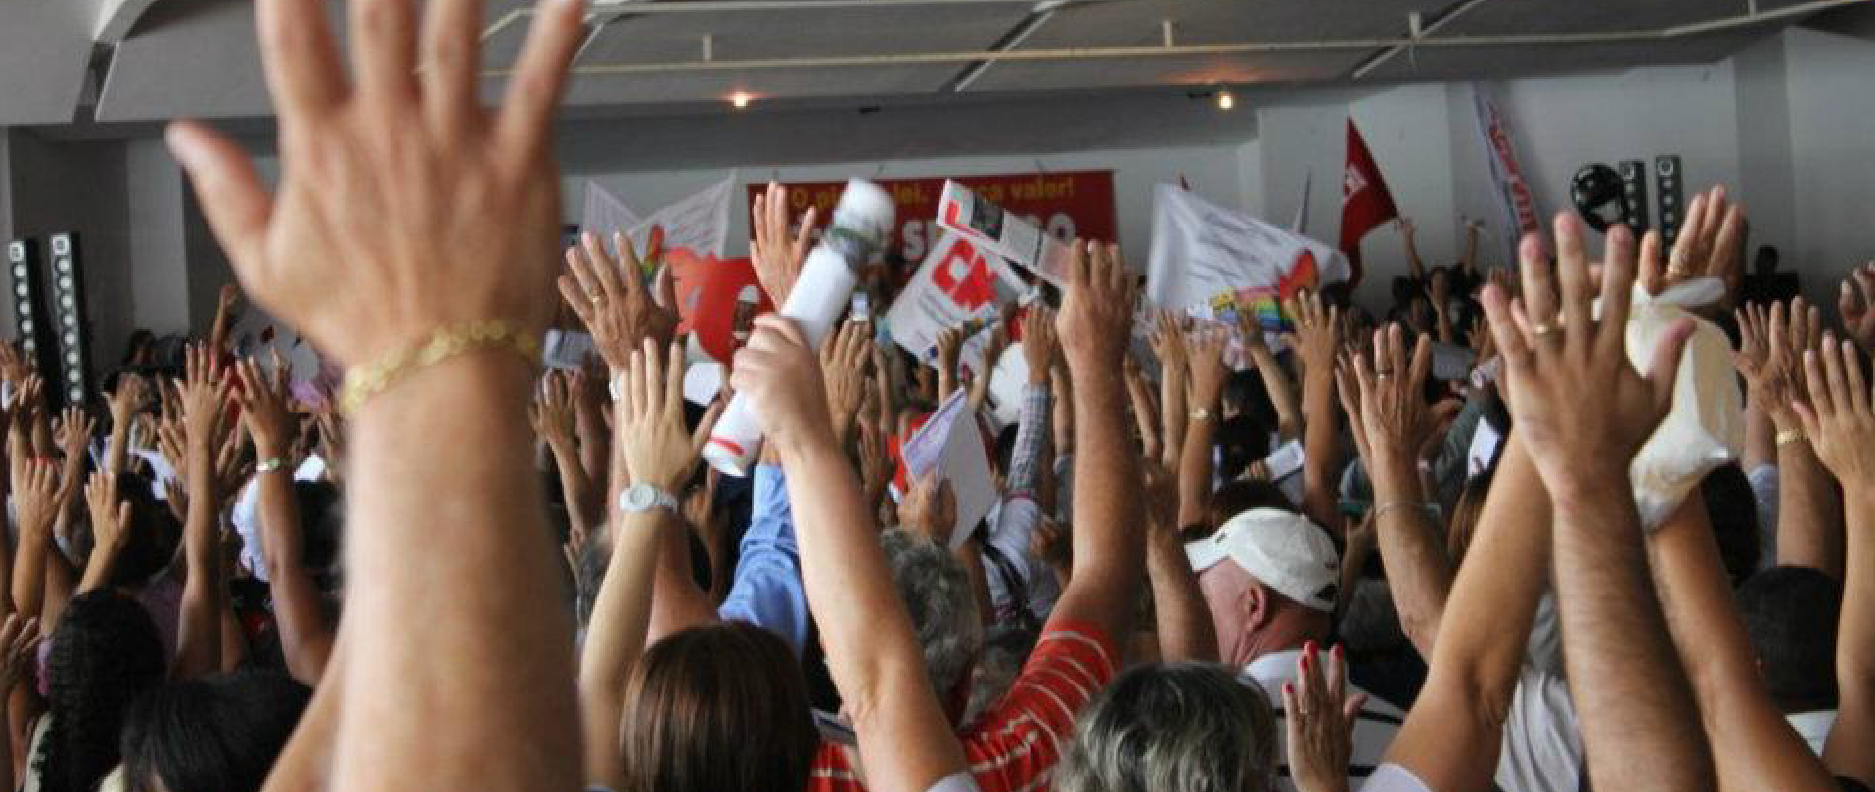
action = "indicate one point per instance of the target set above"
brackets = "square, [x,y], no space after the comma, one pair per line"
[1832,127]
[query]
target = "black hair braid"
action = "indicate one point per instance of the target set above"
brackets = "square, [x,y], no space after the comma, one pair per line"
[105,653]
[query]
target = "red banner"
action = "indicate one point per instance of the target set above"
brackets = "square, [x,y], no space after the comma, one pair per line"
[1068,205]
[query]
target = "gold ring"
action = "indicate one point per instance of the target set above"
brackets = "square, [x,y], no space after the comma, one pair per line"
[1544,329]
[1382,374]
[596,299]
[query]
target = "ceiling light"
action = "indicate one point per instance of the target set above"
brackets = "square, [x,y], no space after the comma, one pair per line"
[1225,101]
[740,99]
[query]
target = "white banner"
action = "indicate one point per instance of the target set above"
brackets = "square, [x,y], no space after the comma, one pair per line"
[956,284]
[604,215]
[699,224]
[1514,196]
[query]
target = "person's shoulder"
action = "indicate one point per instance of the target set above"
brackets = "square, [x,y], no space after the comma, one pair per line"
[1077,639]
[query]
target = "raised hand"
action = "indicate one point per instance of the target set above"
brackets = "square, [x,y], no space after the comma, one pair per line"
[843,362]
[1837,416]
[1317,338]
[1207,370]
[263,399]
[1320,719]
[930,509]
[13,364]
[73,432]
[1168,343]
[1383,393]
[552,413]
[779,255]
[132,391]
[1579,404]
[19,644]
[1039,343]
[1711,244]
[611,299]
[1857,305]
[649,432]
[401,186]
[778,370]
[1770,356]
[1097,313]
[36,495]
[110,528]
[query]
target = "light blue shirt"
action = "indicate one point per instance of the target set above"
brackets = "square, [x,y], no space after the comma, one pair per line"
[767,590]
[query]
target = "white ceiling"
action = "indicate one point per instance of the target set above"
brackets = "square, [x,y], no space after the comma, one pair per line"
[198,58]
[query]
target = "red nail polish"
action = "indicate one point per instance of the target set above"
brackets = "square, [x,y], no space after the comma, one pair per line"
[1337,652]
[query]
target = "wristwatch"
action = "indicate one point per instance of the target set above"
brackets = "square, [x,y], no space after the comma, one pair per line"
[641,498]
[1201,414]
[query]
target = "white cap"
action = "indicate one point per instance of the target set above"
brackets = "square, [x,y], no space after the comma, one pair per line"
[1281,549]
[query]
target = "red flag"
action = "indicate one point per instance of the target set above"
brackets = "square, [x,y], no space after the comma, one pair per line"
[1366,202]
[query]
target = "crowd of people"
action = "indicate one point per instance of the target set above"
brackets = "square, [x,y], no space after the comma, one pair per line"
[1327,563]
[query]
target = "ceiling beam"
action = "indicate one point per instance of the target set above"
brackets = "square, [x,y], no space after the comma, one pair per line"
[116,18]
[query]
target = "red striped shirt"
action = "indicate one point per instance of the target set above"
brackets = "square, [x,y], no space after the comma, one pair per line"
[1014,747]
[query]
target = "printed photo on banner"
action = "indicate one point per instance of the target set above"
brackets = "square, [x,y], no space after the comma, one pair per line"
[958,285]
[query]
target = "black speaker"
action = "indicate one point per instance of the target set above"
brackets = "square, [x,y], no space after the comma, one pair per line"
[29,305]
[1671,183]
[1634,195]
[74,332]
[1596,193]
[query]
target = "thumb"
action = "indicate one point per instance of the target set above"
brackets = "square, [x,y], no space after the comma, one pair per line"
[664,291]
[1665,366]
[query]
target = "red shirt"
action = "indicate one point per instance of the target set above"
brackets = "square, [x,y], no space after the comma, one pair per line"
[1014,747]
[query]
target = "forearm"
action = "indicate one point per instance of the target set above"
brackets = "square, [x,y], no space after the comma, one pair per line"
[119,447]
[29,571]
[1195,471]
[1186,633]
[595,444]
[1752,746]
[1172,414]
[1760,438]
[946,379]
[615,640]
[970,557]
[1321,462]
[1282,395]
[98,568]
[1627,684]
[449,663]
[871,650]
[1809,522]
[198,649]
[1108,538]
[1847,752]
[1145,417]
[575,489]
[1418,571]
[677,602]
[306,635]
[1032,441]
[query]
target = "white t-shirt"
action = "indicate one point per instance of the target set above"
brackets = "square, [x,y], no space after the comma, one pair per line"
[1393,778]
[1374,727]
[1542,746]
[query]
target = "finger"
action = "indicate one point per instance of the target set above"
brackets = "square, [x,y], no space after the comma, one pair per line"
[1831,354]
[1865,284]
[1617,290]
[1292,704]
[652,391]
[1852,378]
[805,236]
[1573,277]
[1818,386]
[451,62]
[1652,263]
[674,383]
[1848,303]
[1539,281]
[664,289]
[602,268]
[236,203]
[539,77]
[707,425]
[1422,363]
[1351,708]
[298,56]
[634,388]
[383,43]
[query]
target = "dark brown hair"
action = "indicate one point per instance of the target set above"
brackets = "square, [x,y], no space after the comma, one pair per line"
[720,707]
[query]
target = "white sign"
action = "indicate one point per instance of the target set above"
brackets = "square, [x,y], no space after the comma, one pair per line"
[956,284]
[1203,253]
[604,215]
[951,445]
[970,216]
[699,224]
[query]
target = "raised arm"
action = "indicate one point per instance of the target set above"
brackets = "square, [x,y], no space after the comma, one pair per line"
[1181,617]
[110,517]
[446,675]
[306,634]
[1584,412]
[554,421]
[1753,747]
[949,346]
[875,659]
[1108,540]
[204,592]
[1168,342]
[654,452]
[1195,461]
[1318,341]
[1415,267]
[35,493]
[1809,508]
[1384,395]
[1275,380]
[225,305]
[1840,416]
[129,397]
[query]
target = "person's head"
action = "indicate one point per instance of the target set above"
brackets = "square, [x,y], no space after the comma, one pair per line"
[1790,613]
[717,707]
[1242,495]
[1733,510]
[1172,728]
[105,653]
[944,613]
[1765,262]
[1271,579]
[219,733]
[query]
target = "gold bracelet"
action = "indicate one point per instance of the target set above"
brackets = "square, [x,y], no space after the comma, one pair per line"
[447,342]
[1789,436]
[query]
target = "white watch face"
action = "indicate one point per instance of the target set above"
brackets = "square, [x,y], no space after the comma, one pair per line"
[640,497]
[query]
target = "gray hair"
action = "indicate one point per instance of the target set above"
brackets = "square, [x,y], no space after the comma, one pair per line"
[1176,727]
[943,606]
